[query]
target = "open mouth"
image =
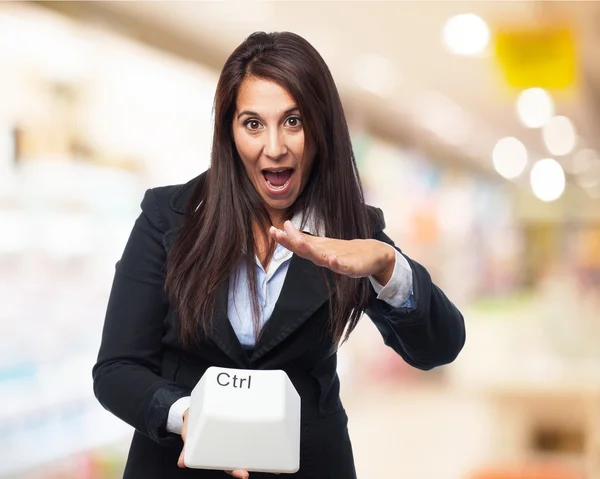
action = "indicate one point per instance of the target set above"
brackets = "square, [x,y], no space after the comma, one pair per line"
[278,179]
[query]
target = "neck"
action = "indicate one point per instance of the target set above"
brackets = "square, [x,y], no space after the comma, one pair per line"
[263,247]
[278,217]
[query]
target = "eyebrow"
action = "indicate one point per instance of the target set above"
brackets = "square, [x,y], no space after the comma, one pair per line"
[253,113]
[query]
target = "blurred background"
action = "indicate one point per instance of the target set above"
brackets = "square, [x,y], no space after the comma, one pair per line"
[476,128]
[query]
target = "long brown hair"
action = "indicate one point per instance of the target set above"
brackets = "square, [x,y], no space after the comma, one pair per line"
[217,232]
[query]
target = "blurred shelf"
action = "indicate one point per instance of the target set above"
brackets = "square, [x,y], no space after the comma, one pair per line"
[48,416]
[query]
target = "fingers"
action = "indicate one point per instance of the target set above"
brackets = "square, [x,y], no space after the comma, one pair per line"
[291,239]
[292,232]
[279,236]
[239,473]
[180,462]
[314,248]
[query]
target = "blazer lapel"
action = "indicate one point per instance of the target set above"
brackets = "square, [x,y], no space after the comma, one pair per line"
[305,290]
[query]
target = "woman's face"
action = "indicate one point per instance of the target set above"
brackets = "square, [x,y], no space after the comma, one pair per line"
[270,139]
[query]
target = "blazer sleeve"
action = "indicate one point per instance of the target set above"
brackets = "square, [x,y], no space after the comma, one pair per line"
[127,379]
[427,335]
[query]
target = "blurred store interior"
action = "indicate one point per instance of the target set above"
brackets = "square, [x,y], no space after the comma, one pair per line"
[477,130]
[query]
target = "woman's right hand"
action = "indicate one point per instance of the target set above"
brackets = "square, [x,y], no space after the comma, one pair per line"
[238,473]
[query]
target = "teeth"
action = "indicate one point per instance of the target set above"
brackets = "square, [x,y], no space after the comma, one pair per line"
[278,187]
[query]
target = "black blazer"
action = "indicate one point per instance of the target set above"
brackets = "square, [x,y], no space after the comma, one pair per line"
[142,368]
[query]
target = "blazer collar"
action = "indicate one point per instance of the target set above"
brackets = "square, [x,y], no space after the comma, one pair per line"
[183,193]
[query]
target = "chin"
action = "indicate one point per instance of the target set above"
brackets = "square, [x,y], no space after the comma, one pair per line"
[279,205]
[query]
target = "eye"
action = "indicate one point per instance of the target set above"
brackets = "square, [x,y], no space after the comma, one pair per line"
[294,121]
[252,125]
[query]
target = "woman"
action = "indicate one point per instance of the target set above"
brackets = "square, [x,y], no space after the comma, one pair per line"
[262,262]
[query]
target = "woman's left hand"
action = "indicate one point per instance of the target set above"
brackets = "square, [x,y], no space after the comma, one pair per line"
[355,258]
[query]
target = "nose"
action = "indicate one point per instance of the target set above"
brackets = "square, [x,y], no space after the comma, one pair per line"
[275,146]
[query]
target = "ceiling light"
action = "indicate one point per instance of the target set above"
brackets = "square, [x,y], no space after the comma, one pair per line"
[465,34]
[588,177]
[535,107]
[509,157]
[559,135]
[587,182]
[547,180]
[583,160]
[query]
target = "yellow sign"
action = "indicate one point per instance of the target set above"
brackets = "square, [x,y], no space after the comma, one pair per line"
[542,57]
